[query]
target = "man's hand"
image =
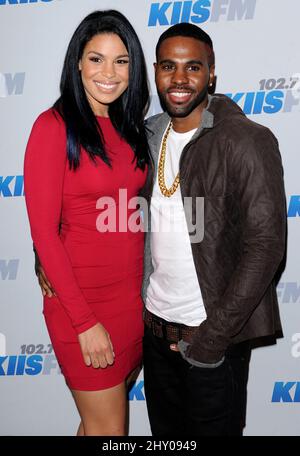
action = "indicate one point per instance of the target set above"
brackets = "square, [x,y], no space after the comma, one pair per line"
[96,347]
[188,338]
[45,285]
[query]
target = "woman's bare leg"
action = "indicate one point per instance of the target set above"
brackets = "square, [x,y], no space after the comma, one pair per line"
[80,432]
[102,412]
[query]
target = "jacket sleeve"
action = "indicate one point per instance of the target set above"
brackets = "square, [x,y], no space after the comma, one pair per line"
[260,192]
[44,169]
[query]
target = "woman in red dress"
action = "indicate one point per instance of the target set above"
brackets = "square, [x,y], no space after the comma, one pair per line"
[85,149]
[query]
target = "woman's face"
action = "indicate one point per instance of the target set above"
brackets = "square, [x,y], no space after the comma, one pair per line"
[104,70]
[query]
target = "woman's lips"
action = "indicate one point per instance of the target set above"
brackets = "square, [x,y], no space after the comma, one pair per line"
[107,86]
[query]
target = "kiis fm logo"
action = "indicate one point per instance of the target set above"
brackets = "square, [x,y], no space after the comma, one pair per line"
[22,2]
[294,206]
[199,11]
[11,186]
[136,391]
[11,84]
[286,392]
[288,292]
[274,95]
[33,360]
[289,391]
[28,365]
[9,269]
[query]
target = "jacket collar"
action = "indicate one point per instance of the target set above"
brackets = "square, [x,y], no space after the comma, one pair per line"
[219,108]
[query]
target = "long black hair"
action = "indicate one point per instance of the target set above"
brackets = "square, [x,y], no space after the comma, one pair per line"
[126,113]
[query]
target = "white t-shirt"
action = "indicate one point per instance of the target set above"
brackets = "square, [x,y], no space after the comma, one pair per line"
[173,293]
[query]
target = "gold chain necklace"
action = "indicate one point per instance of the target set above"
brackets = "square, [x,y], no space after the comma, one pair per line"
[161,168]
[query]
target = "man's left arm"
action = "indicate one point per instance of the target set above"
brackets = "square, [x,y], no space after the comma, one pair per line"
[260,190]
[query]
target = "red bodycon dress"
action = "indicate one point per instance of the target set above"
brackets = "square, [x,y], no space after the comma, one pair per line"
[96,275]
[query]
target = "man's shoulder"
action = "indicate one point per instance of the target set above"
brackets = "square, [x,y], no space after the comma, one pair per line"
[240,128]
[157,119]
[230,117]
[250,131]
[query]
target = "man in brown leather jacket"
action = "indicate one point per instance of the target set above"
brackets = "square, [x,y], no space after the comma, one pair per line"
[206,296]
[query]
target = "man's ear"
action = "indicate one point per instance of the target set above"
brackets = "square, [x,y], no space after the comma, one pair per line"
[155,66]
[211,74]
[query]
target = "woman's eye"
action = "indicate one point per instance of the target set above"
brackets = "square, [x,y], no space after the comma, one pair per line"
[122,61]
[95,59]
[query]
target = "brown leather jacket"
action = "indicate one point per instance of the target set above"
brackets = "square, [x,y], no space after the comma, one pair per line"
[235,165]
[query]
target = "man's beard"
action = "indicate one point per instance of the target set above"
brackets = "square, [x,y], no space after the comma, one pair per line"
[183,111]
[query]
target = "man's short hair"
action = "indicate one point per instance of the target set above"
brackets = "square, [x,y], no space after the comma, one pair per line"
[190,31]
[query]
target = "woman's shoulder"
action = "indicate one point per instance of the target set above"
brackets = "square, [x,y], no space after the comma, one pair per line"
[49,118]
[48,129]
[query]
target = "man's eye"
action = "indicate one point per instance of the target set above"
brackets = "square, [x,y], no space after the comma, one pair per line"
[193,68]
[168,67]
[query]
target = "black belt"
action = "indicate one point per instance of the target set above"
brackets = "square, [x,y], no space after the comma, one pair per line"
[173,332]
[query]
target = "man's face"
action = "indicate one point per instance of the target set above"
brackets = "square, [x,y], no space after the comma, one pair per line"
[182,75]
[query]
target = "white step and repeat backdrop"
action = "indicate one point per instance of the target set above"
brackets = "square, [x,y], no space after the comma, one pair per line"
[258,65]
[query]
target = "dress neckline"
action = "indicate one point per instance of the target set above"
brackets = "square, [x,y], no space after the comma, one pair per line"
[102,118]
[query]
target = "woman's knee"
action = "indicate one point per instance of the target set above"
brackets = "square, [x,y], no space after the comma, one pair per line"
[102,412]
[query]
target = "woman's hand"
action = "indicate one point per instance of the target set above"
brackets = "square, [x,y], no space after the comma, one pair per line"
[96,347]
[44,283]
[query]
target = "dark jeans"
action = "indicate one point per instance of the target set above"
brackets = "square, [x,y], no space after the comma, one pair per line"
[187,400]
